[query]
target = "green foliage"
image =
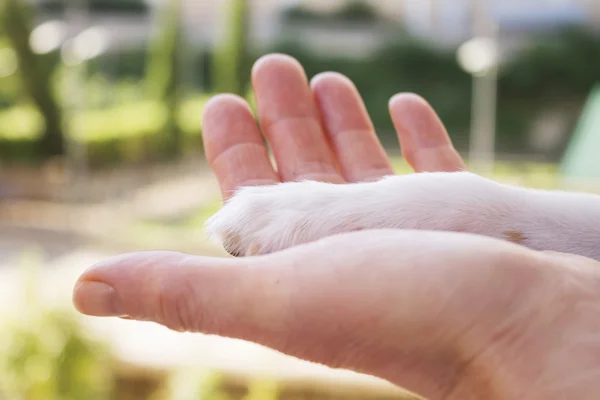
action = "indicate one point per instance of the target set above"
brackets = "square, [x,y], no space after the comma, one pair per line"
[10,87]
[98,6]
[352,11]
[129,133]
[560,71]
[9,84]
[36,72]
[45,353]
[163,61]
[563,65]
[358,11]
[164,72]
[552,72]
[20,122]
[47,357]
[262,390]
[121,65]
[190,385]
[230,69]
[406,66]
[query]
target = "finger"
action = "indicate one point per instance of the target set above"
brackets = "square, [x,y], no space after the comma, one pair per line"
[425,143]
[350,131]
[290,121]
[234,146]
[173,288]
[324,302]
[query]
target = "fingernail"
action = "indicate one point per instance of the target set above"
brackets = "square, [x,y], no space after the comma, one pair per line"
[98,299]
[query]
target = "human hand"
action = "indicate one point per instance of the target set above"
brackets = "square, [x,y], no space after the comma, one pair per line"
[447,316]
[318,131]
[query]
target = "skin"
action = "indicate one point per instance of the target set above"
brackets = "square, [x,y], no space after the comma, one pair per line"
[445,315]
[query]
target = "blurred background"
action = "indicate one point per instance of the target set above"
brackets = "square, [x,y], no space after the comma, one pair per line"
[100,153]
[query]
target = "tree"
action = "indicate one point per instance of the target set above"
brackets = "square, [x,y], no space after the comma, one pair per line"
[36,72]
[163,72]
[230,62]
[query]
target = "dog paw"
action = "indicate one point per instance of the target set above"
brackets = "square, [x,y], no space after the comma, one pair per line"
[264,219]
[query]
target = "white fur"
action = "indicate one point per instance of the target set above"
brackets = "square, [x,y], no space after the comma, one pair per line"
[258,220]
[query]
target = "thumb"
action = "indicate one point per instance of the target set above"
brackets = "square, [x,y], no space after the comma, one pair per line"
[393,304]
